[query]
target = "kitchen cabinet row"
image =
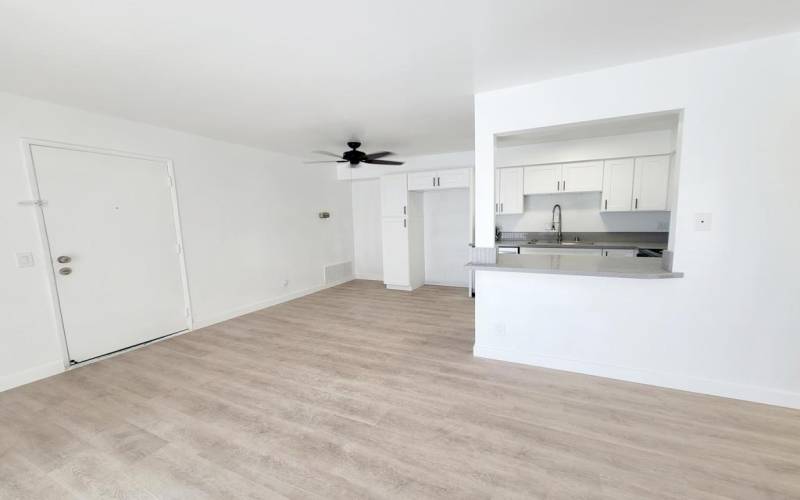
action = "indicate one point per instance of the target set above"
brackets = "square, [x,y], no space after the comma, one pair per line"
[605,252]
[626,184]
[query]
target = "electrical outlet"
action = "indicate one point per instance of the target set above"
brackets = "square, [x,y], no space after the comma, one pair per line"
[702,222]
[25,260]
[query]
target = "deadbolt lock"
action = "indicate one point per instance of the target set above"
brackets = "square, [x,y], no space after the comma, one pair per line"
[64,259]
[65,271]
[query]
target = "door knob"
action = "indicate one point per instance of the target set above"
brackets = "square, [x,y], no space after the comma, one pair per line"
[65,271]
[64,259]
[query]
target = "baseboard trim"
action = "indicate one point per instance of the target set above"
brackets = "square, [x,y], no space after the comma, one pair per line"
[402,288]
[31,375]
[453,284]
[241,311]
[699,385]
[369,277]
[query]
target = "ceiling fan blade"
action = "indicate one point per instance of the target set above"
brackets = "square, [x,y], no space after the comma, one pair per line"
[379,154]
[328,153]
[383,162]
[325,161]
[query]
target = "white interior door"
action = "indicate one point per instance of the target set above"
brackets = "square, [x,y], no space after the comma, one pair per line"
[110,223]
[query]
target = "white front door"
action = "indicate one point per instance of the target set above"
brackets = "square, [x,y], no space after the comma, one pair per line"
[111,228]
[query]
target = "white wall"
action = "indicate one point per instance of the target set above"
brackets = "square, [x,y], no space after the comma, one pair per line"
[447,237]
[249,221]
[730,326]
[367,236]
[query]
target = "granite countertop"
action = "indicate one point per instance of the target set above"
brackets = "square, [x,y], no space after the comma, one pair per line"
[583,244]
[580,265]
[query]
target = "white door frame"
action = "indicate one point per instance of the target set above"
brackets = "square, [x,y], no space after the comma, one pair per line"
[36,201]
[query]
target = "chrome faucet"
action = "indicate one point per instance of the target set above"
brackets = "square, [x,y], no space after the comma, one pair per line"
[559,235]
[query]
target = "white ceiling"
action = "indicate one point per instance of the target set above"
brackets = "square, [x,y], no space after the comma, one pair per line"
[303,75]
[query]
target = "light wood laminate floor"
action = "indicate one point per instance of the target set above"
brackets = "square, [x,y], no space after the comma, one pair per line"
[360,392]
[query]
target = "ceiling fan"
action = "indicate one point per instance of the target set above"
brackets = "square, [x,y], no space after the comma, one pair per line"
[354,157]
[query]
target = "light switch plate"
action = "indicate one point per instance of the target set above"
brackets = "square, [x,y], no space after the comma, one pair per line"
[25,260]
[702,222]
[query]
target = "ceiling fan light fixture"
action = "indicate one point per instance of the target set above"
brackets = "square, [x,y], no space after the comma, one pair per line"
[355,157]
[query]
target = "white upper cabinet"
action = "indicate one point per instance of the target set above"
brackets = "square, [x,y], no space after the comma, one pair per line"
[455,178]
[508,191]
[420,181]
[582,177]
[617,185]
[542,179]
[394,195]
[578,177]
[650,183]
[439,179]
[636,184]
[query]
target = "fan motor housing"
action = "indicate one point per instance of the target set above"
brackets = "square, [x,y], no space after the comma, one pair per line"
[354,156]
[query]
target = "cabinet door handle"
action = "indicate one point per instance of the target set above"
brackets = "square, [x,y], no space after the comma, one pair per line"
[558,186]
[496,208]
[404,223]
[636,205]
[501,206]
[439,181]
[606,205]
[434,181]
[404,209]
[564,186]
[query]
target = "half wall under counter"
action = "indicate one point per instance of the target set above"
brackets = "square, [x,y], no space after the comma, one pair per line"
[580,265]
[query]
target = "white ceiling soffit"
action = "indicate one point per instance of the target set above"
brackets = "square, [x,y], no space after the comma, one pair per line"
[304,75]
[596,128]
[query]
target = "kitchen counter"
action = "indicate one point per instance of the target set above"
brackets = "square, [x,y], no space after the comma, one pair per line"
[621,245]
[580,265]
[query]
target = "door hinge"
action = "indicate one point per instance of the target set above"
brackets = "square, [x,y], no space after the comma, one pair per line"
[32,203]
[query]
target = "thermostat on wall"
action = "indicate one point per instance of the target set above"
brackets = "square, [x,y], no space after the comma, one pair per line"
[324,215]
